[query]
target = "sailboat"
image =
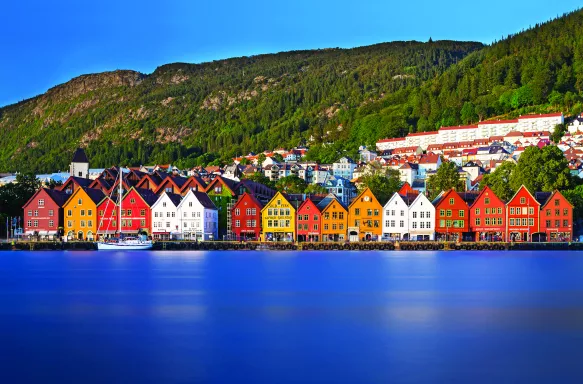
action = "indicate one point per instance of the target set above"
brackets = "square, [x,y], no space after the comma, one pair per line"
[123,242]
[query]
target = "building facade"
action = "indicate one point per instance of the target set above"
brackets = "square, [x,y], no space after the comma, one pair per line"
[365,217]
[165,218]
[43,213]
[522,216]
[247,218]
[488,217]
[396,218]
[334,219]
[199,217]
[421,218]
[80,214]
[278,218]
[308,221]
[556,218]
[452,216]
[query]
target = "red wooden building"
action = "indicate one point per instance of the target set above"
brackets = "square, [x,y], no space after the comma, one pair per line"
[136,214]
[246,218]
[451,216]
[107,217]
[43,213]
[522,216]
[488,217]
[308,221]
[556,216]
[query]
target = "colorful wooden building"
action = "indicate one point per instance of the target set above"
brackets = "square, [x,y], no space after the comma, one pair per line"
[556,216]
[488,217]
[522,216]
[80,214]
[246,218]
[451,216]
[107,218]
[43,213]
[278,218]
[334,219]
[309,221]
[364,217]
[136,214]
[222,193]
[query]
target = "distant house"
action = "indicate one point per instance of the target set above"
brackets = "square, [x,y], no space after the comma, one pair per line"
[344,168]
[43,213]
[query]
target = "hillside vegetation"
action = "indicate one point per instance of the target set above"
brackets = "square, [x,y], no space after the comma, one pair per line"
[341,98]
[223,108]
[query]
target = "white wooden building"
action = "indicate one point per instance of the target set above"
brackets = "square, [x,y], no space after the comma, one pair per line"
[421,219]
[165,218]
[396,218]
[198,217]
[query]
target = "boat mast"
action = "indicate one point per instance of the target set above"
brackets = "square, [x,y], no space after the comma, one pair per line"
[120,197]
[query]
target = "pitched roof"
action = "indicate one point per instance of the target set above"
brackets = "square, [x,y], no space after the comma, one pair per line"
[96,195]
[204,199]
[79,156]
[146,194]
[59,197]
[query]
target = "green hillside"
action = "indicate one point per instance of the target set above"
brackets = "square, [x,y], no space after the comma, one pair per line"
[223,108]
[199,113]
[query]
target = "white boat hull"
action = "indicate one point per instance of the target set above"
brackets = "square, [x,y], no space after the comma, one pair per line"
[121,246]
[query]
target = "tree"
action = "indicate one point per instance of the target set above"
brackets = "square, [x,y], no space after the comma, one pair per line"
[260,178]
[382,185]
[543,170]
[315,189]
[468,113]
[558,133]
[446,177]
[261,159]
[290,184]
[277,157]
[14,195]
[499,180]
[244,161]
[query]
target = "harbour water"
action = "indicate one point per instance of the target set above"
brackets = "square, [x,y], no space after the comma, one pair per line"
[279,317]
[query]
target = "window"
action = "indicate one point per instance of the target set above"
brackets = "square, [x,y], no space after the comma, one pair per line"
[30,213]
[190,203]
[129,212]
[428,214]
[114,223]
[523,221]
[477,221]
[369,212]
[270,212]
[341,215]
[69,224]
[462,213]
[376,212]
[357,211]
[448,223]
[414,225]
[237,223]
[35,223]
[29,223]
[442,223]
[51,223]
[557,223]
[531,210]
[334,227]
[487,221]
[557,212]
[82,223]
[487,211]
[41,202]
[253,211]
[402,223]
[565,223]
[414,215]
[325,227]
[143,212]
[477,211]
[89,223]
[512,222]
[79,202]
[428,225]
[36,213]
[487,200]
[557,202]
[392,223]
[306,217]
[402,213]
[237,212]
[300,217]
[448,213]
[422,215]
[523,200]
[89,212]
[253,223]
[531,222]
[422,225]
[82,212]
[565,212]
[442,212]
[461,224]
[499,210]
[512,210]
[129,223]
[451,201]
[269,223]
[315,217]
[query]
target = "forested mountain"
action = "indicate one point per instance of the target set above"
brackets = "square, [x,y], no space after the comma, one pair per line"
[195,113]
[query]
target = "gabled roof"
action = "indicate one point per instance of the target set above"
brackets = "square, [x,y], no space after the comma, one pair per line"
[527,191]
[230,184]
[94,194]
[311,200]
[177,181]
[147,196]
[550,198]
[58,197]
[79,156]
[251,197]
[79,181]
[204,199]
[329,198]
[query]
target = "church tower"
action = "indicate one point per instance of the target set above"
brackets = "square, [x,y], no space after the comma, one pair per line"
[80,165]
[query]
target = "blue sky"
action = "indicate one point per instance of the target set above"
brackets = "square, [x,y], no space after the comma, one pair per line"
[45,43]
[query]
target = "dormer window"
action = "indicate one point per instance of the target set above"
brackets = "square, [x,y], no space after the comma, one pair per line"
[41,202]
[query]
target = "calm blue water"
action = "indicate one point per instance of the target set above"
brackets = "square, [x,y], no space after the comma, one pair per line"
[265,317]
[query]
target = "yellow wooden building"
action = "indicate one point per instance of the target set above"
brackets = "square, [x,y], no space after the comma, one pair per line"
[334,220]
[278,217]
[80,214]
[365,214]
